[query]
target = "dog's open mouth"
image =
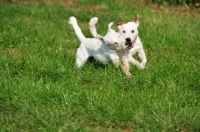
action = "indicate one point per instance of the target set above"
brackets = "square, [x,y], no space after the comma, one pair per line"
[129,45]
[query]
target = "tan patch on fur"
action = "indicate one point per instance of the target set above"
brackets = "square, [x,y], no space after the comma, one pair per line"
[137,18]
[119,23]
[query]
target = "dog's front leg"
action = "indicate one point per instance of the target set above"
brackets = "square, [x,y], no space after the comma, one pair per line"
[134,61]
[142,56]
[115,60]
[126,66]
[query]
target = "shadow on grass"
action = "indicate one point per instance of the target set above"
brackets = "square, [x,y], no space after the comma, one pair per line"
[95,63]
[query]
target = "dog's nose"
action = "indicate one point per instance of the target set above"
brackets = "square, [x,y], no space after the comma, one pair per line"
[128,39]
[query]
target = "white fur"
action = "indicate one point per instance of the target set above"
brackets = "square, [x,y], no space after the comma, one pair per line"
[102,49]
[126,55]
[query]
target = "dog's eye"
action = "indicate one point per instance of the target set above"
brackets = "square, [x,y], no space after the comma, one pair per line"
[115,43]
[132,31]
[124,31]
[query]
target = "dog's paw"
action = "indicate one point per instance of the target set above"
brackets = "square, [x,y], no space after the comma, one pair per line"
[129,75]
[117,64]
[142,66]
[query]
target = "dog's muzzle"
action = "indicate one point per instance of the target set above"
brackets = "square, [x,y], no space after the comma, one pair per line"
[128,43]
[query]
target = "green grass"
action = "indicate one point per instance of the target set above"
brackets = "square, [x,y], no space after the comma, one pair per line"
[42,90]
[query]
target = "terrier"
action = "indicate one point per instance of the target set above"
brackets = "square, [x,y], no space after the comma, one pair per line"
[124,55]
[129,32]
[102,49]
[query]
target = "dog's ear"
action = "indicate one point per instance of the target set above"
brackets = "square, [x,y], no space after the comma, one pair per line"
[109,27]
[137,19]
[101,38]
[98,36]
[118,23]
[104,39]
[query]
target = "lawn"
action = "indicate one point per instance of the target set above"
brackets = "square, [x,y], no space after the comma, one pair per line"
[42,90]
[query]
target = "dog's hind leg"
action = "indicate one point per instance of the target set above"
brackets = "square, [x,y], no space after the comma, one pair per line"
[81,58]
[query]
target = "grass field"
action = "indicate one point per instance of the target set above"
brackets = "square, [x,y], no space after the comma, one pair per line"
[42,90]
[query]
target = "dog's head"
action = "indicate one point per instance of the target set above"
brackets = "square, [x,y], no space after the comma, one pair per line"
[129,31]
[114,39]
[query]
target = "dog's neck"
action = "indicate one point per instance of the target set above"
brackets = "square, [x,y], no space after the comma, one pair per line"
[109,48]
[135,39]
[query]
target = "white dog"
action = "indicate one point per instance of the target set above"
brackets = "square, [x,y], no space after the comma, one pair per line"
[102,49]
[124,54]
[130,33]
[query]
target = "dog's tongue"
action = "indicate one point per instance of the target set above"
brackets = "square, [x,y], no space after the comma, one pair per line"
[131,46]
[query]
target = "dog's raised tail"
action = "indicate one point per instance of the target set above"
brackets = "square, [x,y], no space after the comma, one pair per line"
[78,32]
[92,26]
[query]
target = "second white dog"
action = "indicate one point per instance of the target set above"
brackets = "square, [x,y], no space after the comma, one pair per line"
[102,49]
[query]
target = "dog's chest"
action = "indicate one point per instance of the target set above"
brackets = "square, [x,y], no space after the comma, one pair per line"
[134,50]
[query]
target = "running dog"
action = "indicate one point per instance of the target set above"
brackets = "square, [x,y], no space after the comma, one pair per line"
[124,55]
[129,31]
[102,49]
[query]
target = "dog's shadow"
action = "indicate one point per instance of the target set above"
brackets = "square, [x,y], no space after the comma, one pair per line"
[95,63]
